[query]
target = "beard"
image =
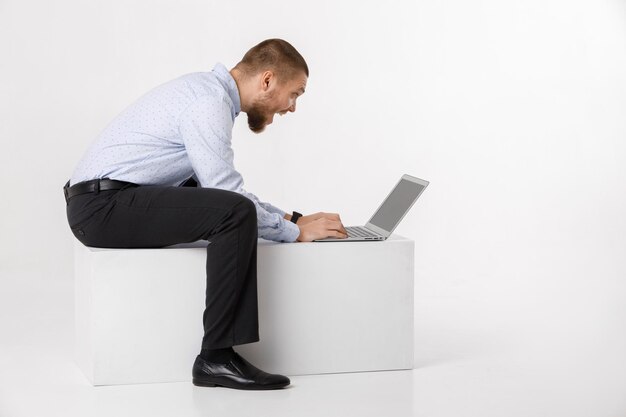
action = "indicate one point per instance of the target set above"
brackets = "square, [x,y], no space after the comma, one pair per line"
[257,119]
[259,114]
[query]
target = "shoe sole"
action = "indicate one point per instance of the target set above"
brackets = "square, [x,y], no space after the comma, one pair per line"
[204,383]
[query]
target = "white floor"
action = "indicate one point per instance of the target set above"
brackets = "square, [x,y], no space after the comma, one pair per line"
[474,357]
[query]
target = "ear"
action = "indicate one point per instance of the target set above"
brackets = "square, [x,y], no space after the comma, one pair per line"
[267,78]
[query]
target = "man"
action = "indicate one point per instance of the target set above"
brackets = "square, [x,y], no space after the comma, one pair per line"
[132,190]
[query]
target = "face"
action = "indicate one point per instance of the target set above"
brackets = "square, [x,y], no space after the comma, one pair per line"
[274,97]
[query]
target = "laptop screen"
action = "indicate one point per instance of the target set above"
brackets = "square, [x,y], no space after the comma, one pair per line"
[396,205]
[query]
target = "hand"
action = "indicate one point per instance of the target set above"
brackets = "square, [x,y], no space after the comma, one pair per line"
[319,226]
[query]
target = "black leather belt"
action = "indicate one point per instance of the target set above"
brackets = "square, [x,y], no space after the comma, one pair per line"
[94,186]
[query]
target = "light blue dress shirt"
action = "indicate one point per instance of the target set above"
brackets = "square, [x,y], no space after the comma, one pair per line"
[180,129]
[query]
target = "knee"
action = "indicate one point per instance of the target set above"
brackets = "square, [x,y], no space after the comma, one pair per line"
[246,209]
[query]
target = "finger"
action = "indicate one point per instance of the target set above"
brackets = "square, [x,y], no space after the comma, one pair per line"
[336,227]
[343,228]
[339,226]
[338,234]
[335,224]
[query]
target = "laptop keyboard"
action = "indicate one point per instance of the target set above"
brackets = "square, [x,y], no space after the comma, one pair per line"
[359,231]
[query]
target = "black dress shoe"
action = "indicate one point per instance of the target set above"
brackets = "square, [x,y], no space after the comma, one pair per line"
[238,373]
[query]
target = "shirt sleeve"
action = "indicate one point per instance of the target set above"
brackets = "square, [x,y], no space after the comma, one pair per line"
[206,130]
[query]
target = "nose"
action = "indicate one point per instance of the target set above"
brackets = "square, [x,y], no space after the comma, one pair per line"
[292,108]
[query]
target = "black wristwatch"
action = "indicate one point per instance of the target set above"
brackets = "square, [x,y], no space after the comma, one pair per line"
[295,216]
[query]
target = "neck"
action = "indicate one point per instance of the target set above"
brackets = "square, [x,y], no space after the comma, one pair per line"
[241,82]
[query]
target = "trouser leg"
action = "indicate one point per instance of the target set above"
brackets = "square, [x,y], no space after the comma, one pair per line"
[230,316]
[161,216]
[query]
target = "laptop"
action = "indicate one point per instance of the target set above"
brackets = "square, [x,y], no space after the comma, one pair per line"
[388,215]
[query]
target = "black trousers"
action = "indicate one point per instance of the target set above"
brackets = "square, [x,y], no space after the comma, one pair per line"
[154,216]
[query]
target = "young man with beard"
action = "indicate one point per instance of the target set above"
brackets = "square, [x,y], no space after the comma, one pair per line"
[132,190]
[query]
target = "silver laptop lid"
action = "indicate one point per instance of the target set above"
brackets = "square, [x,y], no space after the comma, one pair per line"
[396,205]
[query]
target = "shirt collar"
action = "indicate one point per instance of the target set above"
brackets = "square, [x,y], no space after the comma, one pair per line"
[229,83]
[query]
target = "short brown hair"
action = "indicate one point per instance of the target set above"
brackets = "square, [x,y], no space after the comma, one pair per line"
[276,55]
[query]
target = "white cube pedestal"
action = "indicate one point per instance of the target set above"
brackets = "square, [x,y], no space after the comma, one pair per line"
[323,308]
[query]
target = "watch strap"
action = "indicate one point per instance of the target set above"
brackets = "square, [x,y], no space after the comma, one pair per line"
[295,216]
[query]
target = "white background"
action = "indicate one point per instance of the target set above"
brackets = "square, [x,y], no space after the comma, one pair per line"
[513,110]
